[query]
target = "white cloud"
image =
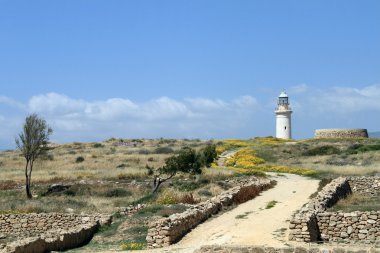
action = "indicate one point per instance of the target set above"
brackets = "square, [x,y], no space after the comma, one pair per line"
[77,119]
[298,89]
[204,104]
[10,102]
[345,100]
[53,103]
[82,120]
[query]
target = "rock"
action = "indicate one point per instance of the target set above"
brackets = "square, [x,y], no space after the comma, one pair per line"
[56,188]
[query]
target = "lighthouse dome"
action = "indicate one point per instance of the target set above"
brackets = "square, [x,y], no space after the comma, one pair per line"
[283,95]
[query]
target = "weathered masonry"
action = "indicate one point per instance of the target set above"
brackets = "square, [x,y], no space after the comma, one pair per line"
[314,223]
[341,133]
[166,231]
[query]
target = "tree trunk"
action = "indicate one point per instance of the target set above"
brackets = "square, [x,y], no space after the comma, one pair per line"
[27,180]
[157,184]
[158,181]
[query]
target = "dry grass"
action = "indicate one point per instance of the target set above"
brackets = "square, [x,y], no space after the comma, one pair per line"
[101,160]
[99,172]
[357,202]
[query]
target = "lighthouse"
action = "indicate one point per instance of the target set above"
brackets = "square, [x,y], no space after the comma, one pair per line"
[283,117]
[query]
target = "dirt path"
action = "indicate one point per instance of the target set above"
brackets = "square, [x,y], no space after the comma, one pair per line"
[252,223]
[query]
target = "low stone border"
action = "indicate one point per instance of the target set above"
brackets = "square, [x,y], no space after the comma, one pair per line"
[131,209]
[166,231]
[304,224]
[54,241]
[262,249]
[365,185]
[314,224]
[33,224]
[47,232]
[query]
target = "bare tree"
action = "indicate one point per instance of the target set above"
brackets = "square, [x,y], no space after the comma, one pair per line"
[32,142]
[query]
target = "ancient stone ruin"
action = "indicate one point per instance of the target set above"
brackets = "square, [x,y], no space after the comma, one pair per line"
[314,223]
[166,231]
[46,232]
[341,133]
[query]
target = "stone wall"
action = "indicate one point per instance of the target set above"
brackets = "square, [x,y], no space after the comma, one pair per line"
[27,225]
[53,241]
[341,133]
[350,227]
[46,232]
[166,231]
[365,185]
[262,249]
[314,223]
[304,224]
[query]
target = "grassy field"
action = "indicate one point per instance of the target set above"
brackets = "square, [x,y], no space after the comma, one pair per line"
[106,175]
[112,173]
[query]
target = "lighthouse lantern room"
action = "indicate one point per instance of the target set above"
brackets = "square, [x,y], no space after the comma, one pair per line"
[283,117]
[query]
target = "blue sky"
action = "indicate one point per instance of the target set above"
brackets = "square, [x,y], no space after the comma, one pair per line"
[187,69]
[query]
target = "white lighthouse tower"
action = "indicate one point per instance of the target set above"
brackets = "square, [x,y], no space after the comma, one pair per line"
[283,117]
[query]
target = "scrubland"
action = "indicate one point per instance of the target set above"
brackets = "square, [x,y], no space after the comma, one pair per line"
[106,175]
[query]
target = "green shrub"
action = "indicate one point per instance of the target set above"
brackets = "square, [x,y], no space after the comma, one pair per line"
[98,145]
[144,151]
[271,204]
[322,150]
[360,148]
[117,192]
[167,198]
[163,150]
[121,166]
[186,186]
[79,159]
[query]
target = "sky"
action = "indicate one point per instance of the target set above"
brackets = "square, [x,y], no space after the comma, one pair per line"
[96,69]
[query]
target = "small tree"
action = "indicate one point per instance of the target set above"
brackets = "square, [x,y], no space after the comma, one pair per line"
[208,154]
[186,161]
[32,142]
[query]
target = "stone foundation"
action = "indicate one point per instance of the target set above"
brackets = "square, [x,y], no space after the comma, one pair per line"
[312,223]
[304,224]
[166,231]
[45,232]
[350,227]
[365,185]
[341,133]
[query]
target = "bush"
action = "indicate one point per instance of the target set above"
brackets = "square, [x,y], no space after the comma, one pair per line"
[186,186]
[360,148]
[205,192]
[164,150]
[79,159]
[121,166]
[144,151]
[188,199]
[98,145]
[132,246]
[117,192]
[322,150]
[167,198]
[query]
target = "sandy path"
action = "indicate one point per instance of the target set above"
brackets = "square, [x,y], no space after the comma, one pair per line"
[259,226]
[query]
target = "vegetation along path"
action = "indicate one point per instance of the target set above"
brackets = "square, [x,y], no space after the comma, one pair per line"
[261,221]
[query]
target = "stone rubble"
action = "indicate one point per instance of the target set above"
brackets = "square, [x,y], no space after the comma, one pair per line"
[131,209]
